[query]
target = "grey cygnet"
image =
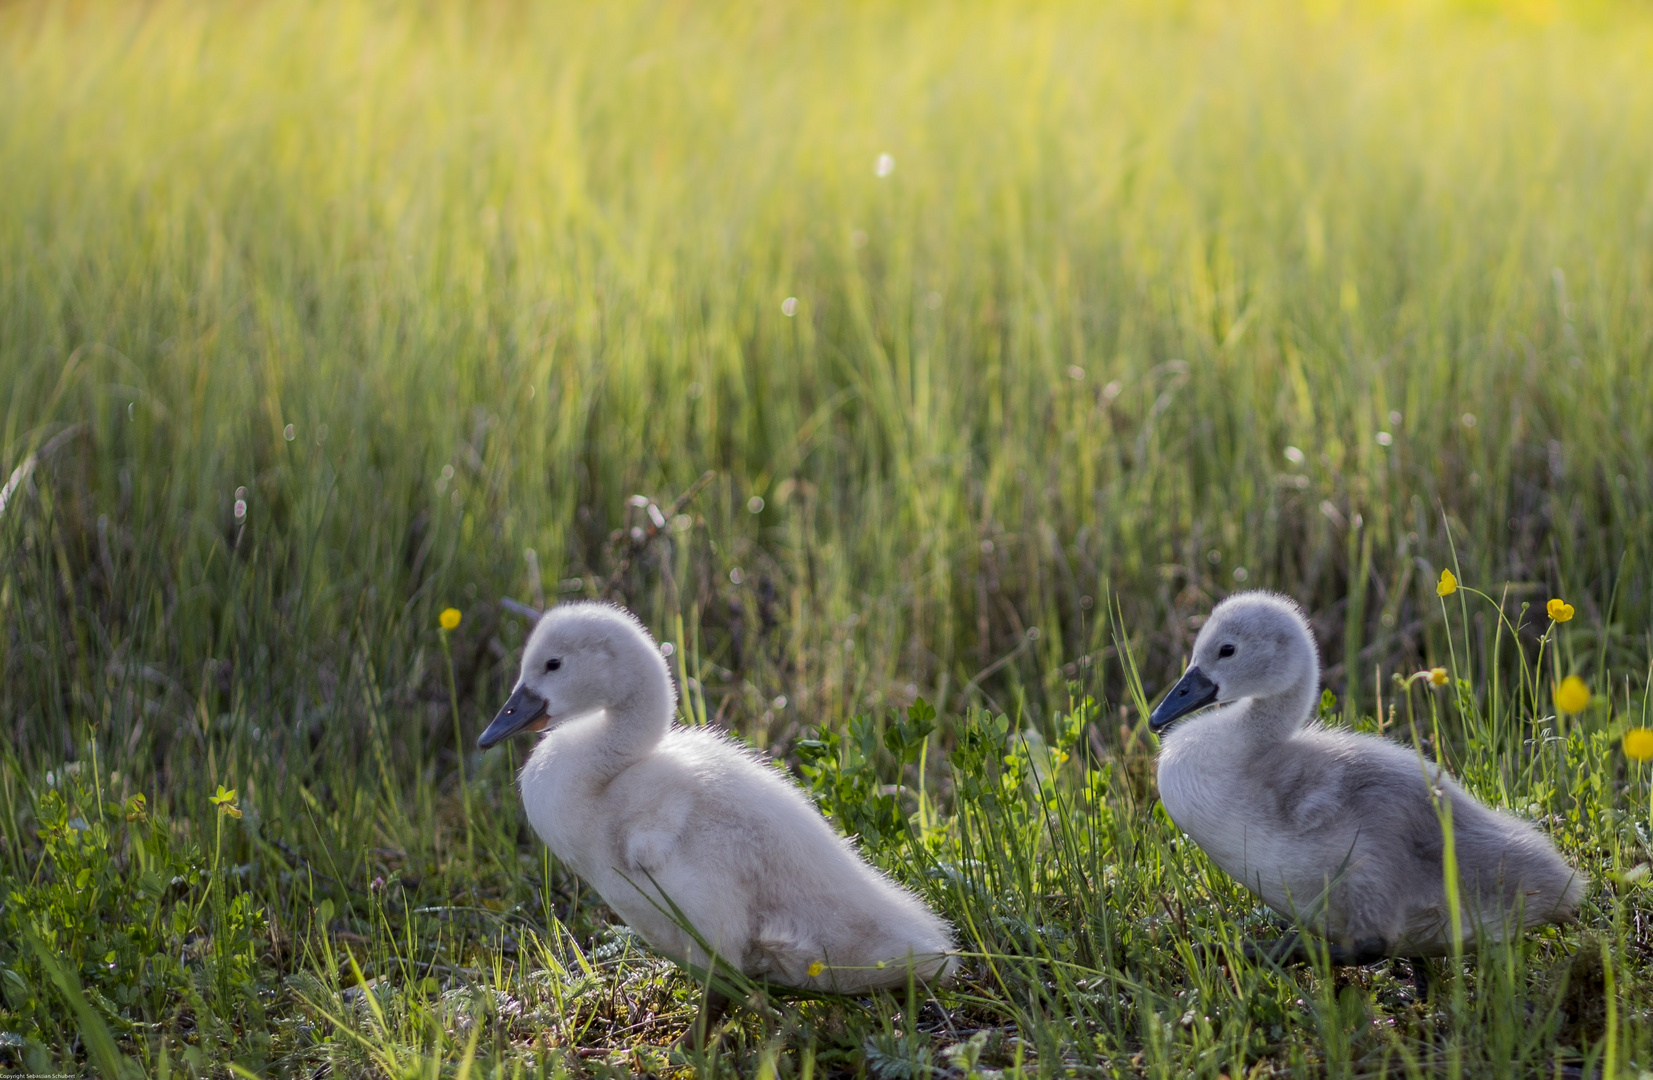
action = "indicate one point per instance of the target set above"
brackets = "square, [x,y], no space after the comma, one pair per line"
[1338,831]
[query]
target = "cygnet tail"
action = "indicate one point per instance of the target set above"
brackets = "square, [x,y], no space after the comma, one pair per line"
[791,961]
[1563,907]
[1514,868]
[925,969]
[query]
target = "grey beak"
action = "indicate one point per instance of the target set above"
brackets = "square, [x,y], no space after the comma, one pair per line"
[521,712]
[1193,691]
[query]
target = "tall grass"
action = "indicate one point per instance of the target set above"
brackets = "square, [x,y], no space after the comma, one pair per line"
[318,318]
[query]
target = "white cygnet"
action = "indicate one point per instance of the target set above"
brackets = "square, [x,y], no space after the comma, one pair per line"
[1339,831]
[659,817]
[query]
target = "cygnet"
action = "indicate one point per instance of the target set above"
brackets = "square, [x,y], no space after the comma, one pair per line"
[677,825]
[1339,831]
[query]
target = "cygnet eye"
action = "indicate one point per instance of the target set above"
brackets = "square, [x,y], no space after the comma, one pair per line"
[553,664]
[1225,651]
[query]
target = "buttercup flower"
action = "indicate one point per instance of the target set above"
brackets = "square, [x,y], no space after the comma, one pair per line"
[1438,676]
[1559,610]
[1447,585]
[1572,695]
[449,618]
[817,967]
[1638,743]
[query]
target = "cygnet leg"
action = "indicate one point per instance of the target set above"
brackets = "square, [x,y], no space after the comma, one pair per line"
[1283,950]
[1358,953]
[1274,951]
[712,1008]
[1420,976]
[1291,949]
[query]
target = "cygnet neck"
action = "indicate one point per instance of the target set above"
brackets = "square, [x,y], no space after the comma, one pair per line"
[1268,719]
[631,727]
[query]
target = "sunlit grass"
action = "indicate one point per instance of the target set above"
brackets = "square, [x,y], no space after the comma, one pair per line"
[1012,336]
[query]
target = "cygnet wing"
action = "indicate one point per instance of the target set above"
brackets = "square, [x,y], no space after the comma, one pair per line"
[744,855]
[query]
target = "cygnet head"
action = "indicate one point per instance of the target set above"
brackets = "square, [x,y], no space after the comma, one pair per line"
[1253,645]
[581,659]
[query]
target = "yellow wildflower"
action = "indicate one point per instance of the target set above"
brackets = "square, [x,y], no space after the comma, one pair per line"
[1447,585]
[1638,743]
[1572,695]
[817,967]
[225,801]
[449,618]
[1438,676]
[1559,610]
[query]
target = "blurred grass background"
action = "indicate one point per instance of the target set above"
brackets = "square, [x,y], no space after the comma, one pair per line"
[1125,258]
[988,319]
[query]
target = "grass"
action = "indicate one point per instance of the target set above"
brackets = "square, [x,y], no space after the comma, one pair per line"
[316,319]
